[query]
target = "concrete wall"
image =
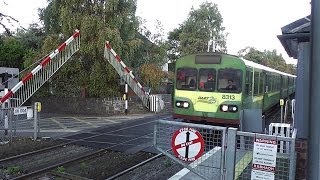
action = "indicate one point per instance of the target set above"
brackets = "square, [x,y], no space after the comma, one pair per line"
[95,106]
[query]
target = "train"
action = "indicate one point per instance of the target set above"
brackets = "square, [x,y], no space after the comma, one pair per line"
[215,87]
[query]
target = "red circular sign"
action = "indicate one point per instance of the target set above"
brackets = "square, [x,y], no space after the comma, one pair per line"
[187,144]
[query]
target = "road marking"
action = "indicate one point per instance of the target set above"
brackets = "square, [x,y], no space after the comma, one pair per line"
[83,121]
[59,123]
[242,164]
[194,164]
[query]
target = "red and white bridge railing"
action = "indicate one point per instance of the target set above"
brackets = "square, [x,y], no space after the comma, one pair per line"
[32,81]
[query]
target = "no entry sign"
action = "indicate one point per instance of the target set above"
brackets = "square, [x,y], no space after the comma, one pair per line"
[187,144]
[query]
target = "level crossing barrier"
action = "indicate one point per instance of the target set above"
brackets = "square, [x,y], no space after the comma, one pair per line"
[42,72]
[127,75]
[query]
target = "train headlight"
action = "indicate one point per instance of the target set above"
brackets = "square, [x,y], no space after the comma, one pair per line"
[185,104]
[224,108]
[233,108]
[178,104]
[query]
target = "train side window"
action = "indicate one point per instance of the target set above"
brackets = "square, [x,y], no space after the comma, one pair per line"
[207,79]
[256,83]
[248,85]
[261,83]
[186,79]
[230,80]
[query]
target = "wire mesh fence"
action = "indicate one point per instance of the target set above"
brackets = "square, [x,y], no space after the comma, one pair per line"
[226,153]
[198,147]
[252,162]
[16,122]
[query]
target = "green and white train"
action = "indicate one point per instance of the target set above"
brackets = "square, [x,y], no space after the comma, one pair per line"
[214,88]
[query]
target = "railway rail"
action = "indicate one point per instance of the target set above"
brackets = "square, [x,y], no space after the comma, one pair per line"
[67,160]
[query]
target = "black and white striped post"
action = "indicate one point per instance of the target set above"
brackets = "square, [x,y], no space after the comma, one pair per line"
[125,97]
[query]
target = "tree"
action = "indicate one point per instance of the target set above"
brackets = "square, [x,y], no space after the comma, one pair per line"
[11,52]
[98,20]
[193,35]
[268,58]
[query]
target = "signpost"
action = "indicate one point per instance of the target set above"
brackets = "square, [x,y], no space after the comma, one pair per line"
[264,159]
[187,144]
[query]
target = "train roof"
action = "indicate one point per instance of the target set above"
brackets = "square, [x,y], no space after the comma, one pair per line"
[259,66]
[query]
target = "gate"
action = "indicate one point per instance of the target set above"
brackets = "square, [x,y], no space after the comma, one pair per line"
[18,122]
[189,146]
[227,153]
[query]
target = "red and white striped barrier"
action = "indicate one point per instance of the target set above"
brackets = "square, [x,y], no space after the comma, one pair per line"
[124,66]
[41,65]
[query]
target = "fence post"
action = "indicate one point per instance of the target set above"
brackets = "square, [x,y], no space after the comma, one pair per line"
[230,153]
[35,122]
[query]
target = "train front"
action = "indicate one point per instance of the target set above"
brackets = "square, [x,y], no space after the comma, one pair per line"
[208,89]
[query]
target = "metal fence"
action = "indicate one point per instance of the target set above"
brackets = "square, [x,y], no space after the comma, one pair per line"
[228,153]
[186,143]
[285,156]
[18,122]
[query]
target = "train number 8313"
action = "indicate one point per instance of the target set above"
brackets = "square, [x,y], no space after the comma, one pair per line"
[229,97]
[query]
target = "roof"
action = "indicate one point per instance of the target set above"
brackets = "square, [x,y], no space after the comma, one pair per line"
[294,33]
[259,66]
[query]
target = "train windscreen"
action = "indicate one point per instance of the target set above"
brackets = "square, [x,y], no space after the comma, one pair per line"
[229,80]
[207,79]
[186,79]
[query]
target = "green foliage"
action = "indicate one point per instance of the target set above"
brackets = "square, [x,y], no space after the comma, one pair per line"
[268,58]
[98,21]
[14,170]
[167,162]
[61,169]
[11,52]
[203,24]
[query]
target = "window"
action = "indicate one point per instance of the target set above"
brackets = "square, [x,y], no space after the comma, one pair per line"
[248,87]
[186,79]
[256,83]
[207,80]
[229,80]
[261,83]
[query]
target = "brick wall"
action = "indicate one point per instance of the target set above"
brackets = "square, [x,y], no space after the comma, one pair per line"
[94,106]
[302,157]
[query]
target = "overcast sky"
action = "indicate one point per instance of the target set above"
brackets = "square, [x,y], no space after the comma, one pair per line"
[249,22]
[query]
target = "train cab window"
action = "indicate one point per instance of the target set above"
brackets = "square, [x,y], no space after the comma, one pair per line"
[229,80]
[207,80]
[186,79]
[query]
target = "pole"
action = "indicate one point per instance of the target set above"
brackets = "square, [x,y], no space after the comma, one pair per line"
[6,105]
[35,122]
[314,122]
[126,98]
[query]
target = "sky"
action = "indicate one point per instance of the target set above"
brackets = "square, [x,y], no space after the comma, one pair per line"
[253,23]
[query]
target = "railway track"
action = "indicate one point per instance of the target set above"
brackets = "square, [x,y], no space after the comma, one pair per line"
[58,159]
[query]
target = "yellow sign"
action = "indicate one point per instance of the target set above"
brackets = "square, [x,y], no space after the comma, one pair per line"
[38,106]
[281,102]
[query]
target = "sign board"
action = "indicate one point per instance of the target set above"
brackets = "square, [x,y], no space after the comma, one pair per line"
[264,159]
[187,144]
[20,110]
[29,113]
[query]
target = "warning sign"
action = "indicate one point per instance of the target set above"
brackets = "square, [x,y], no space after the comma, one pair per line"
[187,144]
[264,159]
